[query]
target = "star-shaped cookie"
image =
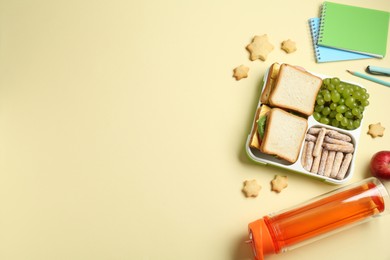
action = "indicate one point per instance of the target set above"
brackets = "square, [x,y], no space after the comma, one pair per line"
[260,47]
[251,188]
[240,72]
[279,183]
[376,130]
[289,46]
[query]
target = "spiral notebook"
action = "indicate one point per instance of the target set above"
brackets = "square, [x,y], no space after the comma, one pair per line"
[325,54]
[354,29]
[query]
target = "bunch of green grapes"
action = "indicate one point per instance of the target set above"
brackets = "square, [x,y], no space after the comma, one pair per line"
[340,104]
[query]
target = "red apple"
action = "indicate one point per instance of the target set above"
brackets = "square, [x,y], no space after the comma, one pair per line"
[380,165]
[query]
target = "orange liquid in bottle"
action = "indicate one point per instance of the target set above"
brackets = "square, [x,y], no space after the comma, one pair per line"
[330,213]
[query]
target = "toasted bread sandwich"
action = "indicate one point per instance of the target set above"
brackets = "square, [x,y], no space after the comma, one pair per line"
[291,88]
[283,134]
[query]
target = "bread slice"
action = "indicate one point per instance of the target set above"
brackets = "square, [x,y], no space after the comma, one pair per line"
[284,134]
[255,138]
[295,89]
[270,83]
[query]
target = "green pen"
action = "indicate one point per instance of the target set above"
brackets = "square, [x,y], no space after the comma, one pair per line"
[364,76]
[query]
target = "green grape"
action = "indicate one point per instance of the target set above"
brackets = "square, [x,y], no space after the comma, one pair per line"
[325,111]
[327,97]
[339,116]
[349,101]
[319,96]
[357,95]
[341,109]
[335,96]
[332,114]
[342,101]
[356,123]
[317,116]
[365,103]
[346,92]
[350,125]
[325,120]
[326,81]
[367,96]
[320,101]
[335,81]
[355,111]
[335,123]
[344,121]
[331,87]
[333,106]
[318,108]
[325,92]
[348,114]
[340,88]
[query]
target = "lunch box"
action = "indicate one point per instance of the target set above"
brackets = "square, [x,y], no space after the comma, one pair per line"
[265,159]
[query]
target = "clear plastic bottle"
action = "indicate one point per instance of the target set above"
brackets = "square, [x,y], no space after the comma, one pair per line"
[319,217]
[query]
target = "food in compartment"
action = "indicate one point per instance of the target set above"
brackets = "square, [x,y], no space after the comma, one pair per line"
[327,152]
[279,133]
[291,88]
[340,104]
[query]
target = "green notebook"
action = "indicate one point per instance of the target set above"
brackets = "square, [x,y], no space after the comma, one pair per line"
[352,28]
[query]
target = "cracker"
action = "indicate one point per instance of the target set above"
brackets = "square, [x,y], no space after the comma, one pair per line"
[279,183]
[251,188]
[289,46]
[376,130]
[260,47]
[240,72]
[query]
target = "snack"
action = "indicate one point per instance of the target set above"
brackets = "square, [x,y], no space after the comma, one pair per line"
[260,47]
[240,72]
[251,188]
[295,90]
[283,134]
[376,130]
[279,183]
[340,104]
[289,46]
[328,153]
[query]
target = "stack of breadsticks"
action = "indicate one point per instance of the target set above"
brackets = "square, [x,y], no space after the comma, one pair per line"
[327,152]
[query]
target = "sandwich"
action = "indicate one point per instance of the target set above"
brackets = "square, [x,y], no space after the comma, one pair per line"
[279,133]
[291,88]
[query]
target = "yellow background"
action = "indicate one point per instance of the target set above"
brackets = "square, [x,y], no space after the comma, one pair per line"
[122,129]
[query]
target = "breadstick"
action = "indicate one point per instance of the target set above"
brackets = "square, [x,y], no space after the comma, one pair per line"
[329,163]
[303,157]
[331,140]
[324,157]
[340,136]
[344,166]
[314,131]
[309,156]
[339,148]
[316,164]
[336,165]
[311,138]
[320,140]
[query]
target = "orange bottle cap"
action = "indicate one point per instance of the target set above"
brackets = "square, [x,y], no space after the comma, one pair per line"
[261,239]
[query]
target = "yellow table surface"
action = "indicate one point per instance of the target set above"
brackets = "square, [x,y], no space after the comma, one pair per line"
[122,129]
